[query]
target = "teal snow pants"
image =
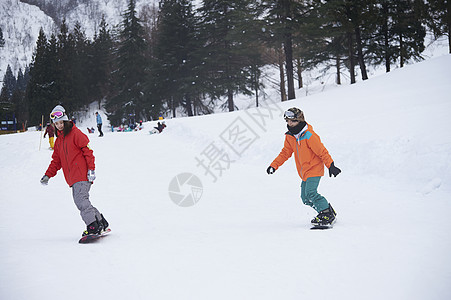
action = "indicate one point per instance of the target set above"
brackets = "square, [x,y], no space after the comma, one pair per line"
[310,196]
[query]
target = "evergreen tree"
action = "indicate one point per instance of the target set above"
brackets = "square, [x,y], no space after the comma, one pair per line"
[40,89]
[400,33]
[18,98]
[383,47]
[226,58]
[352,25]
[175,75]
[249,32]
[2,40]
[131,70]
[26,77]
[323,42]
[101,64]
[327,39]
[3,97]
[284,17]
[66,94]
[21,84]
[9,85]
[53,70]
[359,16]
[439,18]
[81,74]
[19,106]
[408,30]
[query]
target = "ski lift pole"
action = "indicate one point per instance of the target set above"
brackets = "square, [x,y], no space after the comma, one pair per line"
[42,127]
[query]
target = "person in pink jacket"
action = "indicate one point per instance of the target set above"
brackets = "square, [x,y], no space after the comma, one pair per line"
[73,155]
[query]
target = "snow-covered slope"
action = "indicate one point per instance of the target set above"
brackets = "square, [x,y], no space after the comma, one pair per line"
[20,25]
[248,236]
[90,14]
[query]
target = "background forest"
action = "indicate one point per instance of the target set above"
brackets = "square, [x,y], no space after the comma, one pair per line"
[179,58]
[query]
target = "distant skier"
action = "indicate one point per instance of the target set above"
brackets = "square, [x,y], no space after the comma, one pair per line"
[73,155]
[50,130]
[159,128]
[310,156]
[99,123]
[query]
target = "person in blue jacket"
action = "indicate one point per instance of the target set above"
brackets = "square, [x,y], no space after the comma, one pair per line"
[99,123]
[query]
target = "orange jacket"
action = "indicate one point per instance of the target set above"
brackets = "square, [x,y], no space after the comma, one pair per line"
[309,153]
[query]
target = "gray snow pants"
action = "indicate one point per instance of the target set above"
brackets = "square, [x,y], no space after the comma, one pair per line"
[80,192]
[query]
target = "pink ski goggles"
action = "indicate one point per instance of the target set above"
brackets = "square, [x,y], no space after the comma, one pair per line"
[56,115]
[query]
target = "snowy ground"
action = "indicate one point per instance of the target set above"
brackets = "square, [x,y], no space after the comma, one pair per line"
[248,236]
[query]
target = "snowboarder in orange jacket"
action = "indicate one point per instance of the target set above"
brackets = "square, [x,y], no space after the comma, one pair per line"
[310,157]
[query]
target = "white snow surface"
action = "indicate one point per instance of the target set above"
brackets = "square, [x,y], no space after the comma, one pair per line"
[248,236]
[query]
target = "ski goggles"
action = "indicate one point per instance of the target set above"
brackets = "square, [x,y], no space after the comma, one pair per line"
[289,115]
[57,114]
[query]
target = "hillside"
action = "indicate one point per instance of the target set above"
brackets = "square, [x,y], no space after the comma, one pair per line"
[248,236]
[20,25]
[21,20]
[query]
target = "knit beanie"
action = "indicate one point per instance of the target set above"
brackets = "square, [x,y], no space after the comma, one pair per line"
[58,114]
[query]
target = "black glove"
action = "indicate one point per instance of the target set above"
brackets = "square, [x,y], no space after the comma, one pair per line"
[270,170]
[45,180]
[333,170]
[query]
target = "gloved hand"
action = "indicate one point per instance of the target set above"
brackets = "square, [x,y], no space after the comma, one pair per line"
[270,170]
[45,180]
[333,170]
[91,175]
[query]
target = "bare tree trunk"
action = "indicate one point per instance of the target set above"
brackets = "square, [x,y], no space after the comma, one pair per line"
[256,97]
[448,21]
[387,54]
[401,52]
[351,58]
[288,47]
[360,53]
[189,105]
[449,36]
[385,33]
[230,103]
[173,107]
[299,71]
[256,89]
[338,65]
[283,94]
[255,78]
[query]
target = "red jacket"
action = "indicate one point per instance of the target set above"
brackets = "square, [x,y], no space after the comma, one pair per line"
[50,130]
[310,154]
[72,153]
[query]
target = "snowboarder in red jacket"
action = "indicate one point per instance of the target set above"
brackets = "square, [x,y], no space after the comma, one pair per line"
[73,155]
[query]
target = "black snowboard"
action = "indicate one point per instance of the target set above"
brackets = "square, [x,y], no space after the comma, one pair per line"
[321,227]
